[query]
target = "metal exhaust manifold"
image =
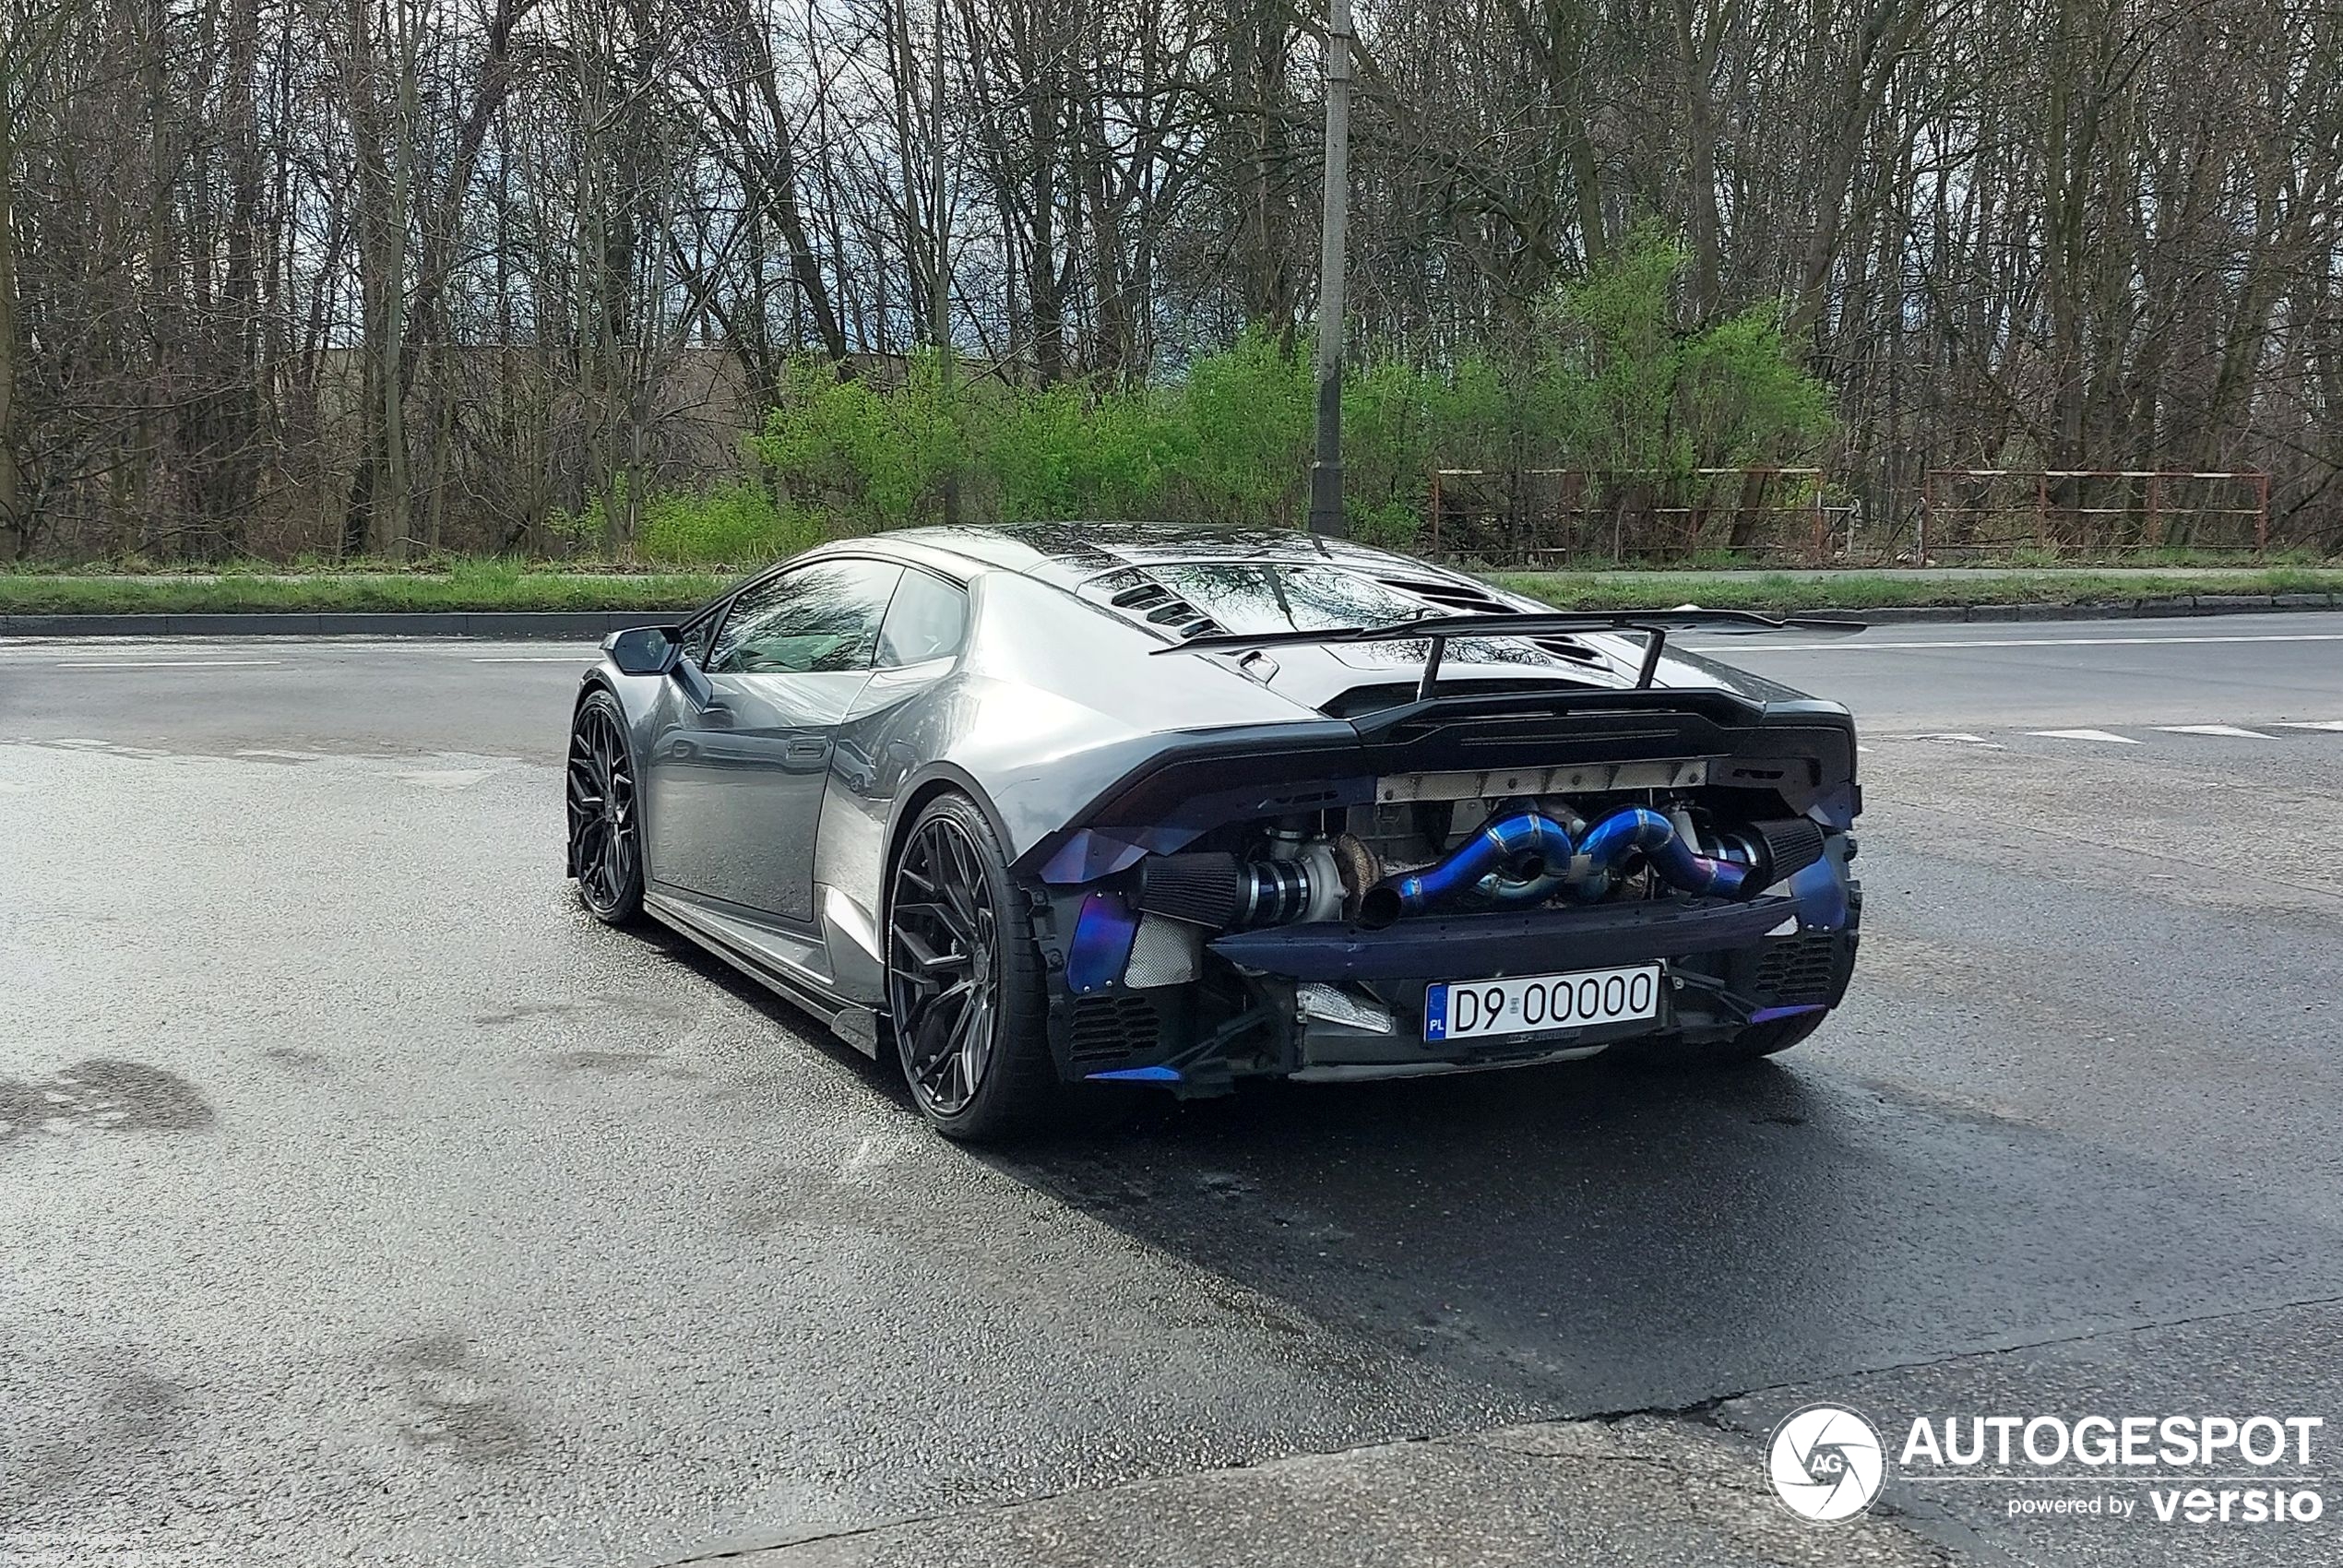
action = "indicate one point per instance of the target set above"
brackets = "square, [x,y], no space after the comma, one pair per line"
[1527,856]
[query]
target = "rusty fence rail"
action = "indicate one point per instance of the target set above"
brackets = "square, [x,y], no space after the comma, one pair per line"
[2092,511]
[1541,517]
[1561,517]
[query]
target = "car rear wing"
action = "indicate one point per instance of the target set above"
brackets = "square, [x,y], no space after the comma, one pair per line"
[1437,629]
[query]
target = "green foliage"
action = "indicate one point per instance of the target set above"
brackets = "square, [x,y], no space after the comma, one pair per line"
[867,456]
[1635,392]
[1609,382]
[736,525]
[1057,453]
[1249,413]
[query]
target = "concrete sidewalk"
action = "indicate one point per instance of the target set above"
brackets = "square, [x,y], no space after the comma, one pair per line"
[1653,1490]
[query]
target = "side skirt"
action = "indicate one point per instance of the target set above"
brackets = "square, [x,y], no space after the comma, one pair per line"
[857,1025]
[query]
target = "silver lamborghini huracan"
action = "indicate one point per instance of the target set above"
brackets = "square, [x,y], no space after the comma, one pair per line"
[1039,808]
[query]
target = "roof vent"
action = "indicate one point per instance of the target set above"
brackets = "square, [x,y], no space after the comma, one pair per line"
[1141,597]
[1467,598]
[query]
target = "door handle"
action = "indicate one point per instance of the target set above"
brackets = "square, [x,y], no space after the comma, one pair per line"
[808,751]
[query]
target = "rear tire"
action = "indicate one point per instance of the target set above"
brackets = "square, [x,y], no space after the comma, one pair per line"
[964,983]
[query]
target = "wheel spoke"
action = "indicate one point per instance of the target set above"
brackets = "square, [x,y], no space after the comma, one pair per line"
[938,1039]
[959,886]
[961,935]
[622,860]
[975,1033]
[927,959]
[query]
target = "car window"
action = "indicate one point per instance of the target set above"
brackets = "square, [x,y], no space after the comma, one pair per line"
[928,620]
[822,616]
[1273,596]
[696,637]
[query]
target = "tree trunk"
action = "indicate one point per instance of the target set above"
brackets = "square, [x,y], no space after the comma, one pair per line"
[16,528]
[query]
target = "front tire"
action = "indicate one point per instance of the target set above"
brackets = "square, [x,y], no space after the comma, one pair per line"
[964,980]
[605,825]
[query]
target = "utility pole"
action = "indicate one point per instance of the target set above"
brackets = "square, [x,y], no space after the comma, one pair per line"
[940,299]
[1326,474]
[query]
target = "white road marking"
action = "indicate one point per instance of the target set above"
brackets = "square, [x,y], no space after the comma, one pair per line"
[166,663]
[2085,735]
[1961,735]
[2213,730]
[2335,724]
[1754,645]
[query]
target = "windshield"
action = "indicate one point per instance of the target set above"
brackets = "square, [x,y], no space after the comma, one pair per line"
[1243,596]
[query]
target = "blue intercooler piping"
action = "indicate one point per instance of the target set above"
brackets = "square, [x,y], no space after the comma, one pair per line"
[1611,840]
[1525,856]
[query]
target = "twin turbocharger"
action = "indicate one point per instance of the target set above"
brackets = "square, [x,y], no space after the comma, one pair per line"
[1521,857]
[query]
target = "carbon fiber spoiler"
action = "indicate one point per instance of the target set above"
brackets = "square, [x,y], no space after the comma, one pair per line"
[1653,625]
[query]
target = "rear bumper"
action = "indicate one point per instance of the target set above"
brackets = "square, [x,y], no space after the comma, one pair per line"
[1506,942]
[1277,1001]
[1703,995]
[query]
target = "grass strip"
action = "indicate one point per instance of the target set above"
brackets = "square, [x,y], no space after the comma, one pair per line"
[1877,590]
[497,585]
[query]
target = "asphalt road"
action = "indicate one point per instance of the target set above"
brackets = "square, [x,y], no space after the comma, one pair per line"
[362,1201]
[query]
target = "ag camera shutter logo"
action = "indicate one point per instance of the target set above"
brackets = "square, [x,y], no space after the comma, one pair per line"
[1826,1463]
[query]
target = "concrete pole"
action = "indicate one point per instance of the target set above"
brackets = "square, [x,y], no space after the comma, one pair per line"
[1325,473]
[939,208]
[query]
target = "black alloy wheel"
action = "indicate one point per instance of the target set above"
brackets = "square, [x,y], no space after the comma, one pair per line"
[963,980]
[605,842]
[946,966]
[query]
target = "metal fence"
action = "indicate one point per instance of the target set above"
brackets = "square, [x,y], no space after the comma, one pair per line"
[1755,517]
[1582,517]
[2091,512]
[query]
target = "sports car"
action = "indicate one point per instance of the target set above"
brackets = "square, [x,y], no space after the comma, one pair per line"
[1037,809]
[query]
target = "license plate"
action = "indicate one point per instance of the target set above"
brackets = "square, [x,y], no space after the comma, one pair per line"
[1538,1003]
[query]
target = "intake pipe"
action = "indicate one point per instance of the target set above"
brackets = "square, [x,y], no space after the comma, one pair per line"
[1639,829]
[1524,855]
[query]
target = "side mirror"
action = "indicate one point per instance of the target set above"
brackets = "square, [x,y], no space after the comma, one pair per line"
[645,650]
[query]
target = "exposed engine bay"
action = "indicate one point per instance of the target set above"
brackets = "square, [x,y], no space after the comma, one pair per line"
[1386,861]
[1319,937]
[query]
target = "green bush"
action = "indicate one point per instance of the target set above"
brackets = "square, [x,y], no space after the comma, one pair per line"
[1610,381]
[737,525]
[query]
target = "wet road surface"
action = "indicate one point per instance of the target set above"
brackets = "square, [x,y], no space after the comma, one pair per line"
[363,1200]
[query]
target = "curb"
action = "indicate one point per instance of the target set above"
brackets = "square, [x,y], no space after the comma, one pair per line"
[596,624]
[339,623]
[2111,609]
